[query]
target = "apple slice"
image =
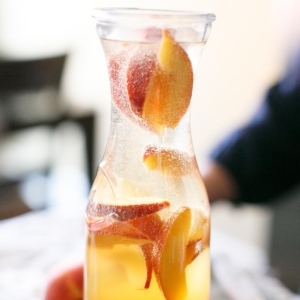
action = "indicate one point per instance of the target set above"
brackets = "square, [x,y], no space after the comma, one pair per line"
[168,161]
[170,253]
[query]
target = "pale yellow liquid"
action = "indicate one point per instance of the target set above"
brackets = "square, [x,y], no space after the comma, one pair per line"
[119,272]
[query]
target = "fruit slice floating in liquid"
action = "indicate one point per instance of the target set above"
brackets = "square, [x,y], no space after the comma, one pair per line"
[159,85]
[141,67]
[115,68]
[198,225]
[150,225]
[198,233]
[169,255]
[170,88]
[139,272]
[128,259]
[147,250]
[168,161]
[140,226]
[125,212]
[111,227]
[110,232]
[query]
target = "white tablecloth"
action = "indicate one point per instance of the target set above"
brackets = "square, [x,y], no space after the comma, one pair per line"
[33,244]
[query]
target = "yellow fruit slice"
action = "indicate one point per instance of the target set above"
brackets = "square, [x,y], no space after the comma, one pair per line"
[168,161]
[199,232]
[130,250]
[170,88]
[137,269]
[199,225]
[170,254]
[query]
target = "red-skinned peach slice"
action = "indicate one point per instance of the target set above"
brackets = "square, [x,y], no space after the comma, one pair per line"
[139,226]
[115,65]
[129,72]
[147,250]
[124,212]
[170,89]
[110,227]
[109,232]
[150,225]
[170,254]
[167,161]
[159,85]
[140,70]
[193,249]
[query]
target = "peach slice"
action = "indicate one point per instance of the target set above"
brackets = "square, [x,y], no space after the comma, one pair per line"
[130,71]
[109,233]
[139,73]
[170,89]
[117,83]
[150,225]
[124,212]
[168,161]
[159,85]
[197,235]
[170,252]
[198,226]
[128,260]
[138,266]
[147,250]
[193,249]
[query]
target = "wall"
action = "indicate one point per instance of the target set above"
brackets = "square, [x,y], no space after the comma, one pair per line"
[243,56]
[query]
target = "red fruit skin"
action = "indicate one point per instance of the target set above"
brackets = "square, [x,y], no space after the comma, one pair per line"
[115,67]
[125,212]
[140,70]
[129,78]
[66,284]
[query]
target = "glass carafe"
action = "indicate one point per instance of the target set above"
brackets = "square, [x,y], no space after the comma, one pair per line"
[148,213]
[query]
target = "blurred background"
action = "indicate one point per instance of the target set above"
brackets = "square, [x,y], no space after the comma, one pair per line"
[55,98]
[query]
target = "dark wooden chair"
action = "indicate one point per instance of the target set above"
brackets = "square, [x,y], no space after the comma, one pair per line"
[29,97]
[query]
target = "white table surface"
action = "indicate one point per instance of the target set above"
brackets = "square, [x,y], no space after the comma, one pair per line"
[34,244]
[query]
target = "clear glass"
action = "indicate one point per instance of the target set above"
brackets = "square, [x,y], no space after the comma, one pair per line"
[148,215]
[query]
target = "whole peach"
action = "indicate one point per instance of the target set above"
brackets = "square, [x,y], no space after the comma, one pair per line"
[66,284]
